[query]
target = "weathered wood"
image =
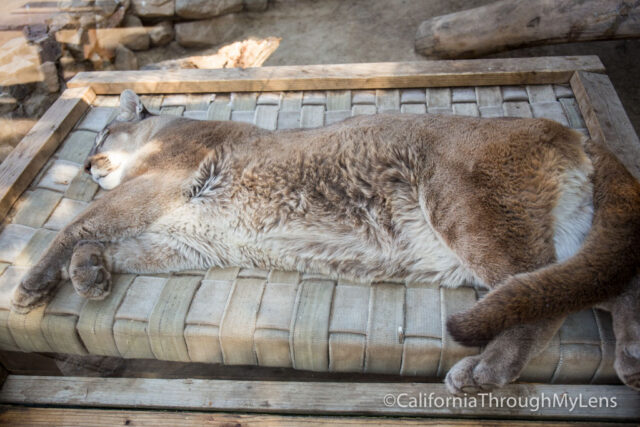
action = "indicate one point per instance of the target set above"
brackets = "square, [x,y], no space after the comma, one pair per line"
[21,363]
[26,160]
[18,362]
[483,72]
[509,24]
[312,397]
[606,118]
[18,416]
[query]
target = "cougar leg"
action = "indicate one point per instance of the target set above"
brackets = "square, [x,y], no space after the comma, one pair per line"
[93,262]
[503,359]
[123,212]
[625,313]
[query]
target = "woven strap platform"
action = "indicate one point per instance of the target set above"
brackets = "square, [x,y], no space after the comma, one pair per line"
[272,318]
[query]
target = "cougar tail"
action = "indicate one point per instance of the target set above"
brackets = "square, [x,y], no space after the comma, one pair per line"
[601,269]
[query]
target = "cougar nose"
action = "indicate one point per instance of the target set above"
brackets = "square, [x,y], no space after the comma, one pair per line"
[87,166]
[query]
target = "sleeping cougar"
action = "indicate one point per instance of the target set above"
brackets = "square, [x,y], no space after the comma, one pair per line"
[546,218]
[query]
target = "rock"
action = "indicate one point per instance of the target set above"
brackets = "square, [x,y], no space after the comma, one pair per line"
[152,8]
[256,5]
[49,49]
[38,103]
[35,106]
[21,92]
[13,129]
[125,59]
[106,7]
[5,150]
[132,21]
[71,36]
[208,32]
[114,20]
[87,20]
[161,33]
[94,45]
[97,61]
[75,5]
[62,21]
[50,73]
[136,37]
[7,103]
[71,67]
[241,54]
[19,63]
[199,9]
[74,40]
[35,32]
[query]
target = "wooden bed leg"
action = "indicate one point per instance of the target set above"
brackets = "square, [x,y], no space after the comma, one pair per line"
[3,374]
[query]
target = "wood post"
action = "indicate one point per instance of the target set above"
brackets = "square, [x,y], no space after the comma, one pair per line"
[509,24]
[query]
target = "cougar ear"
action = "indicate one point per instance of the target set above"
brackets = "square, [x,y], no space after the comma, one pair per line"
[131,107]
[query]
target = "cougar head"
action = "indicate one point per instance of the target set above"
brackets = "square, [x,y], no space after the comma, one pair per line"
[118,145]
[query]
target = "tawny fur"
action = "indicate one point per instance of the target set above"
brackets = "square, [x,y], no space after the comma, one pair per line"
[454,199]
[602,269]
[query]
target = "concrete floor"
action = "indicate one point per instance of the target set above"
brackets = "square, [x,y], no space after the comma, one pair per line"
[338,31]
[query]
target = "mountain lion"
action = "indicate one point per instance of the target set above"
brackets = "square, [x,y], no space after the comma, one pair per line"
[546,218]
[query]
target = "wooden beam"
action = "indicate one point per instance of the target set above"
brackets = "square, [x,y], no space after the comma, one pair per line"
[3,374]
[510,24]
[17,416]
[33,151]
[326,398]
[606,118]
[507,71]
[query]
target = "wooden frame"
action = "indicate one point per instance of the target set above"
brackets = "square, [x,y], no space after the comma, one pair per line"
[606,122]
[383,75]
[321,398]
[29,416]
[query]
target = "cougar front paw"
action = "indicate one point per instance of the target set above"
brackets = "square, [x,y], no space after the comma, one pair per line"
[35,289]
[87,271]
[474,374]
[25,299]
[627,364]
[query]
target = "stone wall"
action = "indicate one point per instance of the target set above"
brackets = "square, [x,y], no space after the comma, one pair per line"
[87,35]
[105,34]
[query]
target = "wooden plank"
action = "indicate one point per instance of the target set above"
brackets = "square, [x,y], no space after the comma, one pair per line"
[314,397]
[26,160]
[476,72]
[606,118]
[18,362]
[18,416]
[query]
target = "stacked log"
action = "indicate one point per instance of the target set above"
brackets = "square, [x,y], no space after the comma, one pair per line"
[510,24]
